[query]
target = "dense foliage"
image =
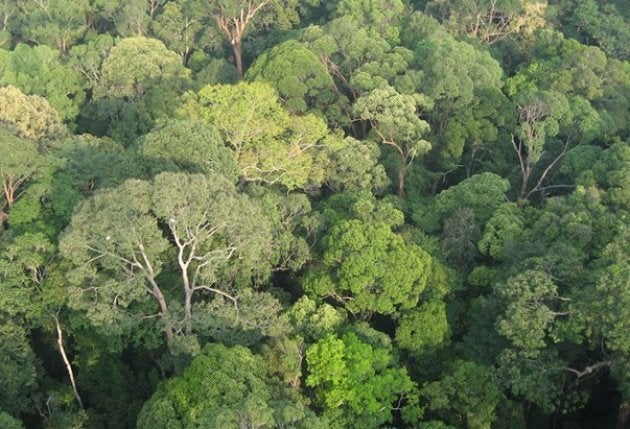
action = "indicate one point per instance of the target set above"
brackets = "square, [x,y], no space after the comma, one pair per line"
[314,214]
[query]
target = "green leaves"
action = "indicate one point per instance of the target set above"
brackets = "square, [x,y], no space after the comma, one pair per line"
[270,145]
[369,268]
[141,81]
[29,116]
[351,374]
[296,73]
[470,395]
[223,387]
[423,327]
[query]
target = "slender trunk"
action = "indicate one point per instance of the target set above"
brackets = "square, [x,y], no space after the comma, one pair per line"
[238,57]
[188,310]
[401,182]
[168,329]
[523,191]
[623,417]
[62,350]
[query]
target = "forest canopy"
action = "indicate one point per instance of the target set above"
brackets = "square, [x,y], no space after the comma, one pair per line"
[309,214]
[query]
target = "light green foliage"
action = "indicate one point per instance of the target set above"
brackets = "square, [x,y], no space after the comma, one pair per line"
[302,82]
[17,367]
[314,321]
[8,422]
[490,21]
[530,298]
[140,81]
[28,115]
[56,23]
[352,165]
[381,16]
[118,250]
[369,268]
[464,83]
[357,377]
[22,266]
[482,193]
[612,172]
[270,145]
[223,387]
[502,231]
[395,121]
[88,58]
[40,71]
[93,163]
[181,27]
[20,163]
[190,146]
[467,398]
[423,327]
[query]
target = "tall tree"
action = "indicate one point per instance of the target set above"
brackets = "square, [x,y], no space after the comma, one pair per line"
[236,18]
[395,120]
[274,147]
[121,258]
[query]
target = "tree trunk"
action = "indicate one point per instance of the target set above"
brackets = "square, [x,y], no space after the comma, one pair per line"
[623,417]
[188,310]
[401,182]
[62,350]
[238,57]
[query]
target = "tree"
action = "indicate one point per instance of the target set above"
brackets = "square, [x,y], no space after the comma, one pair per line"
[395,120]
[228,388]
[490,20]
[482,193]
[359,60]
[40,71]
[380,16]
[275,147]
[21,161]
[464,85]
[17,367]
[29,116]
[423,327]
[57,23]
[468,397]
[121,259]
[302,82]
[8,422]
[189,146]
[183,28]
[236,18]
[369,268]
[531,306]
[140,81]
[91,163]
[352,165]
[88,58]
[359,378]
